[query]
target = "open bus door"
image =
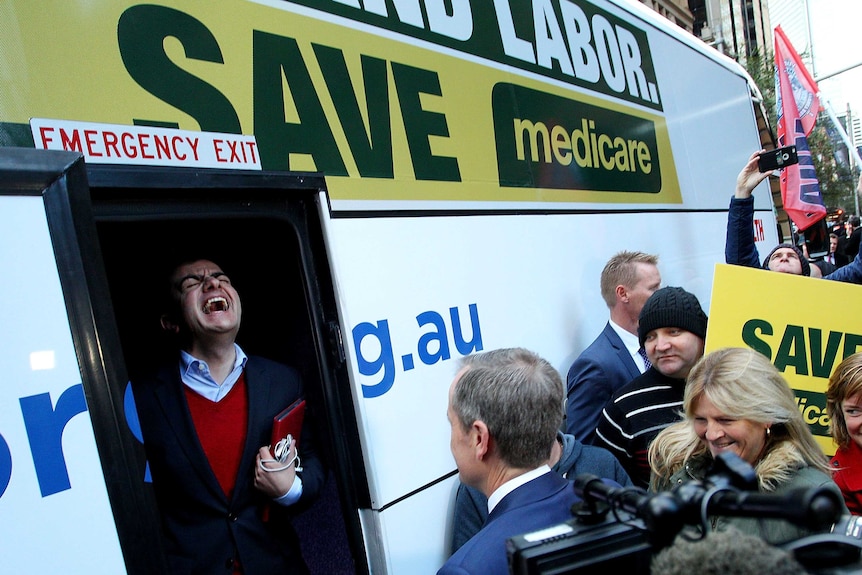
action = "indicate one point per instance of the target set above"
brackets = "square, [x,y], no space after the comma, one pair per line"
[100,235]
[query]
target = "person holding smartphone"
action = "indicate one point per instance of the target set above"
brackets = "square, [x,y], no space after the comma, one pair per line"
[740,248]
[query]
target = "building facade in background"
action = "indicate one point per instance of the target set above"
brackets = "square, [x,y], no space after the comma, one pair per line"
[736,28]
[795,19]
[677,11]
[742,29]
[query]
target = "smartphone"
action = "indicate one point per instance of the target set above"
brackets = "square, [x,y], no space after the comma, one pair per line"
[777,159]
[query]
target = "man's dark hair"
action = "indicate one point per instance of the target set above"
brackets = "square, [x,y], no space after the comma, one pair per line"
[169,304]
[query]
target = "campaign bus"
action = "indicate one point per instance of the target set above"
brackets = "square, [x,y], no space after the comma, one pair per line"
[392,185]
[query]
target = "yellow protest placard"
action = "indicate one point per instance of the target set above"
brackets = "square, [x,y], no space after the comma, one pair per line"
[805,326]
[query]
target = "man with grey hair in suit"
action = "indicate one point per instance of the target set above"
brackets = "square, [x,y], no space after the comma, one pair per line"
[505,407]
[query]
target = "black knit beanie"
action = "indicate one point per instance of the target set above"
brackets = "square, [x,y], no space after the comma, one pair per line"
[672,307]
[806,267]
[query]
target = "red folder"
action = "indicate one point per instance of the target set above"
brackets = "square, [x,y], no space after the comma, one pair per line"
[288,421]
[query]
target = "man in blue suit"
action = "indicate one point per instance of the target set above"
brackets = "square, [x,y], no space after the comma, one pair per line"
[505,407]
[615,357]
[206,421]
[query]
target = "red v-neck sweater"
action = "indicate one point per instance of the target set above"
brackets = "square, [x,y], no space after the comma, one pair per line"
[222,428]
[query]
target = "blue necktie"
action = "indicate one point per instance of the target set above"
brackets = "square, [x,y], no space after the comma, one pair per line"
[643,354]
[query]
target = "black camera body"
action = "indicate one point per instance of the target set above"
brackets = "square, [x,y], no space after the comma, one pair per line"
[583,549]
[618,529]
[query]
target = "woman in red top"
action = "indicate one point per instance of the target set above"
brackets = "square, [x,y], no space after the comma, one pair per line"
[844,405]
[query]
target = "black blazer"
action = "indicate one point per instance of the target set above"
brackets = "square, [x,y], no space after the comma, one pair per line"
[205,532]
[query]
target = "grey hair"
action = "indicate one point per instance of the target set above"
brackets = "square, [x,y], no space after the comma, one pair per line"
[519,396]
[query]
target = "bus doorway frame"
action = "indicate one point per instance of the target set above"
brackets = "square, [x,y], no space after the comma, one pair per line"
[152,194]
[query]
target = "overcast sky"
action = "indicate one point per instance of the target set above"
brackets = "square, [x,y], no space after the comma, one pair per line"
[835,31]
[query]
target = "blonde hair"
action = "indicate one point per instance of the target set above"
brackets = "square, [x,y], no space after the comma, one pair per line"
[846,381]
[622,269]
[742,384]
[669,451]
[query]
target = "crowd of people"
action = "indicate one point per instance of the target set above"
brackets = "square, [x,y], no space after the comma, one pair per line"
[645,393]
[641,406]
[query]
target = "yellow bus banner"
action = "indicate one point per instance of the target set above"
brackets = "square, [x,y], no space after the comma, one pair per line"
[379,106]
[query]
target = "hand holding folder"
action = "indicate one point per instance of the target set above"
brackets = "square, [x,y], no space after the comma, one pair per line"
[286,430]
[287,426]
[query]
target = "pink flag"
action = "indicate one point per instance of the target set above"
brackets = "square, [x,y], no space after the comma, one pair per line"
[798,105]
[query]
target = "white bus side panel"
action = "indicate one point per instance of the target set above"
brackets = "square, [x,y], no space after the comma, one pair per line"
[710,121]
[53,501]
[407,537]
[533,281]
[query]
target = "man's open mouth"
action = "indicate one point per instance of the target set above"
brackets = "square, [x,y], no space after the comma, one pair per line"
[215,304]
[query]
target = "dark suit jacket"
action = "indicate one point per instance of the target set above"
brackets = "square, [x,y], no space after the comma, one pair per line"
[204,530]
[851,248]
[602,368]
[545,501]
[840,259]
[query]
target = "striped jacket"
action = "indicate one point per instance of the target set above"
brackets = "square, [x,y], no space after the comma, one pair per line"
[635,414]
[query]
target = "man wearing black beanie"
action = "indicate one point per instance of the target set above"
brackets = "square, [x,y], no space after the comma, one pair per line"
[672,329]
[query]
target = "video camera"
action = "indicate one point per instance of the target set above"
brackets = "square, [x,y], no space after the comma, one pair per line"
[618,529]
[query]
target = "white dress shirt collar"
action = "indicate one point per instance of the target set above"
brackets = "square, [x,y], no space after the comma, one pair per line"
[513,484]
[632,344]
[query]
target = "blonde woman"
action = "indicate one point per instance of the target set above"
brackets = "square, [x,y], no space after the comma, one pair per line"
[735,400]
